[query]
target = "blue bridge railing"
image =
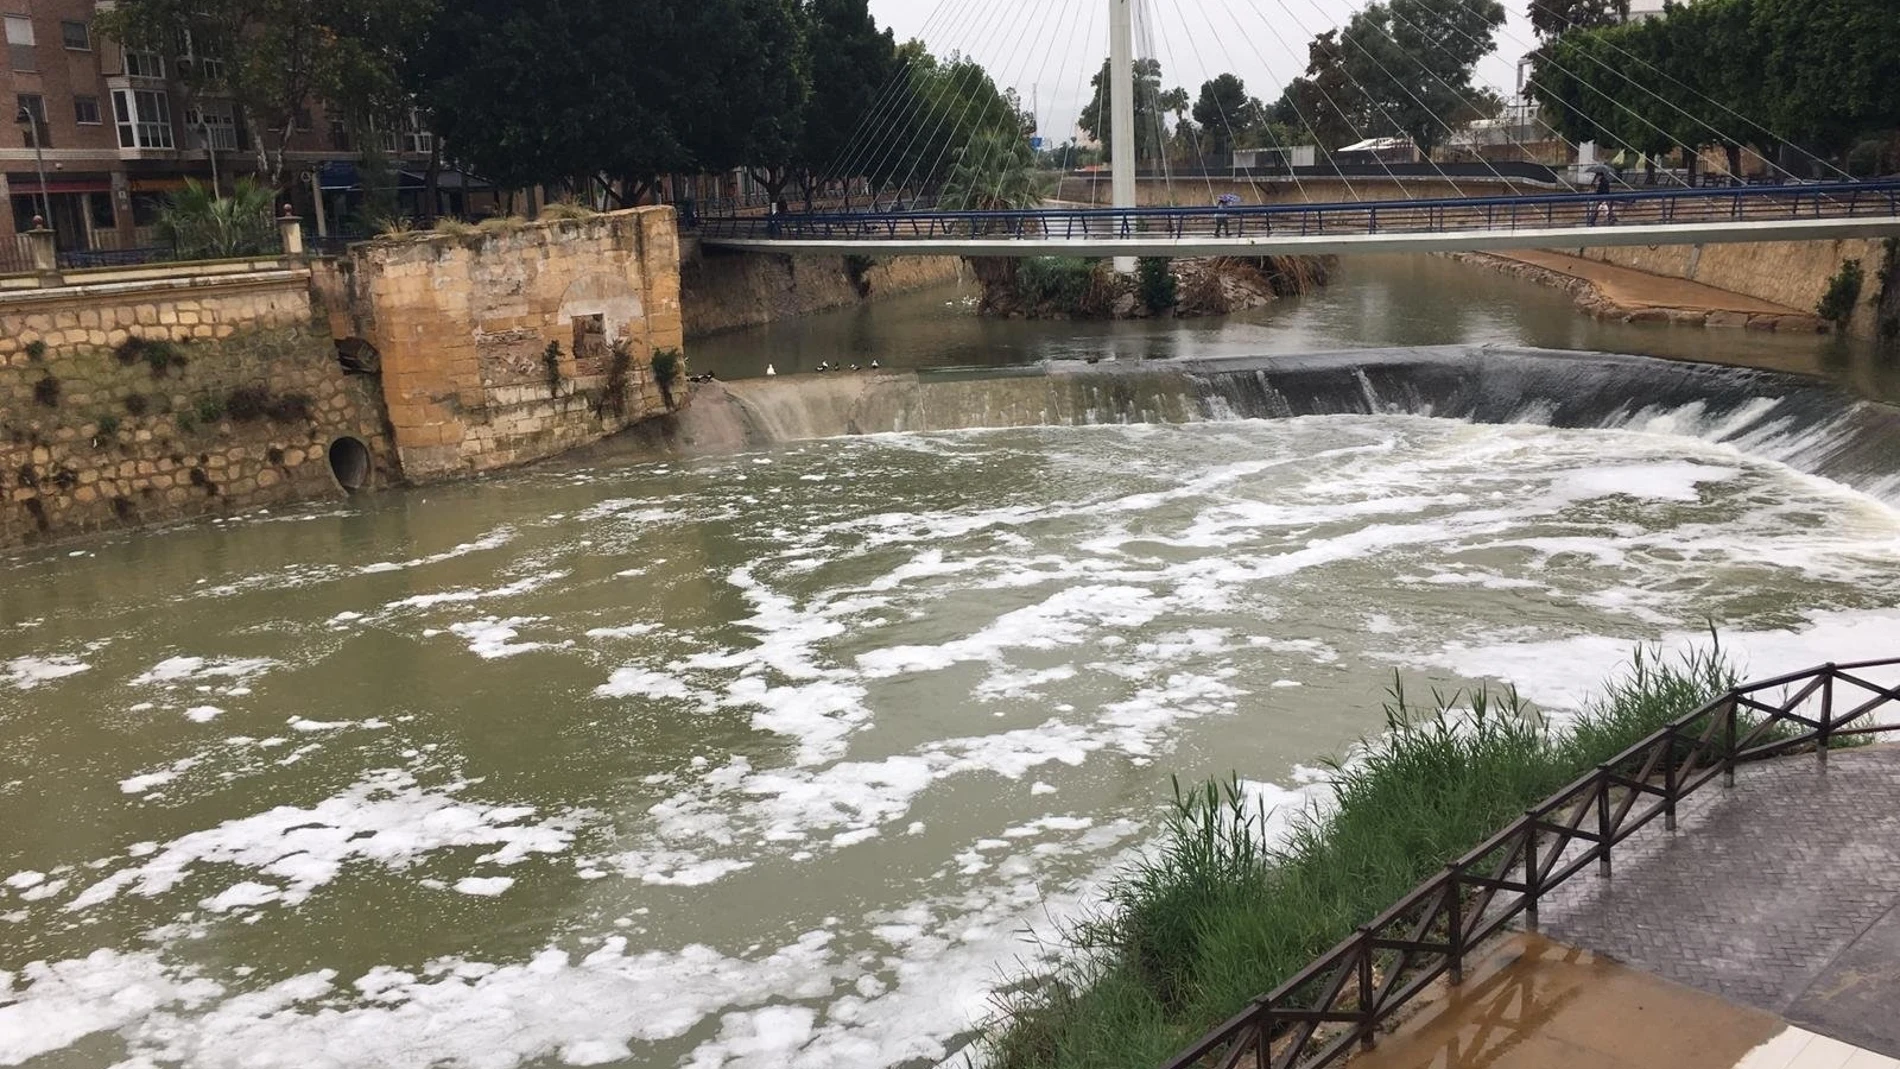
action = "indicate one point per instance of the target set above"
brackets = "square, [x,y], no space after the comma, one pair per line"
[1712,207]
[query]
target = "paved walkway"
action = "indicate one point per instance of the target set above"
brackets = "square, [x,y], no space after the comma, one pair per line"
[1781,894]
[1630,288]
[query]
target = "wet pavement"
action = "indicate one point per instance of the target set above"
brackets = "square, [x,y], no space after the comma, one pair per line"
[1535,1004]
[1780,894]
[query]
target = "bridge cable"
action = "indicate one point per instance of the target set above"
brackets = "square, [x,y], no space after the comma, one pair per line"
[1318,141]
[1391,175]
[1440,120]
[1721,135]
[959,77]
[1193,132]
[1540,120]
[918,102]
[889,98]
[983,113]
[1144,40]
[1731,111]
[1048,54]
[1233,136]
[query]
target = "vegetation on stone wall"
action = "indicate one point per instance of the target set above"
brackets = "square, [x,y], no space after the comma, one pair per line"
[667,364]
[551,364]
[1843,293]
[131,423]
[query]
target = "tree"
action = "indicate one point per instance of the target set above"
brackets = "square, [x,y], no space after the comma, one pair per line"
[851,64]
[743,100]
[1554,18]
[498,79]
[1831,68]
[1149,128]
[273,58]
[1325,103]
[1413,60]
[1226,112]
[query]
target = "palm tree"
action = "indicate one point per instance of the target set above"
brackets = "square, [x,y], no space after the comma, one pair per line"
[996,171]
[204,226]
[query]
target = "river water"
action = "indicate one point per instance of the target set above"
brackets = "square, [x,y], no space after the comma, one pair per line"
[768,758]
[1372,301]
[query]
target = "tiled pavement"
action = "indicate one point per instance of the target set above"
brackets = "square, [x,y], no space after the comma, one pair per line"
[1780,894]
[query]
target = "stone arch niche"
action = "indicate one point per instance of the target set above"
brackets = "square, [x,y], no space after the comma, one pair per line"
[599,309]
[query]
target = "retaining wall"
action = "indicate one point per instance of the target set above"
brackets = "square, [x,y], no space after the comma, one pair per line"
[116,402]
[727,291]
[1794,273]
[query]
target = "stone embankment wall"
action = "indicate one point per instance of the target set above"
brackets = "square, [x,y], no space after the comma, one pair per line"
[513,344]
[727,291]
[1793,273]
[133,398]
[1724,309]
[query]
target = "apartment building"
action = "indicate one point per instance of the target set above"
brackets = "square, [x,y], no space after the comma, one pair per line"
[115,133]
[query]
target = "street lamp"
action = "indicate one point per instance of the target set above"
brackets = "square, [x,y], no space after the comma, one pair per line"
[27,118]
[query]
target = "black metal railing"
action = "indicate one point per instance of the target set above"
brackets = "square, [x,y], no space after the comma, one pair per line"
[1680,206]
[1339,1001]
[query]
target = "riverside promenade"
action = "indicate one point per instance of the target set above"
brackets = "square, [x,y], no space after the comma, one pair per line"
[1763,933]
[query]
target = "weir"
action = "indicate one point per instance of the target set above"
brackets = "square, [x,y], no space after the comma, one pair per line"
[1809,425]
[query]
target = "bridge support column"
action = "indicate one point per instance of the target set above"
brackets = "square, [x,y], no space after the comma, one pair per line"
[1121,122]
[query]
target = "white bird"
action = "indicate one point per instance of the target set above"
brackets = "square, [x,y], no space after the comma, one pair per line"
[770,370]
[873,365]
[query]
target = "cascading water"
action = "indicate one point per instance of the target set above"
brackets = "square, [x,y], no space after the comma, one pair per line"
[1809,425]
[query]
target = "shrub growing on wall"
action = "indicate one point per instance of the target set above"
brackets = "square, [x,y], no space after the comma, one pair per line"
[1843,293]
[46,392]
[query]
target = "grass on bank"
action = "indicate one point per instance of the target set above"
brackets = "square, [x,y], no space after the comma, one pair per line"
[1221,914]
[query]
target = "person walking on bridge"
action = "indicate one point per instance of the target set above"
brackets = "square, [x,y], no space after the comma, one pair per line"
[1603,207]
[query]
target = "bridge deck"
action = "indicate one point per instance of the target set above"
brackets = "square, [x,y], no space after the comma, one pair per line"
[1673,217]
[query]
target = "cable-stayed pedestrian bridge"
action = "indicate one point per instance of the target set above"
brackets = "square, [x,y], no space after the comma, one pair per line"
[1794,212]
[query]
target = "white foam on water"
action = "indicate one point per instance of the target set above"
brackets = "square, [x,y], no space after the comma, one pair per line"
[494,539]
[26,673]
[386,819]
[493,637]
[484,886]
[176,671]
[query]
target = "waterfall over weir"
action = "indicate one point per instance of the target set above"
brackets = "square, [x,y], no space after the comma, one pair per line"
[1810,425]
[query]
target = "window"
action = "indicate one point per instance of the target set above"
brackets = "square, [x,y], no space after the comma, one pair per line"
[301,122]
[86,111]
[76,36]
[206,70]
[215,122]
[20,43]
[35,105]
[144,118]
[339,136]
[144,64]
[417,140]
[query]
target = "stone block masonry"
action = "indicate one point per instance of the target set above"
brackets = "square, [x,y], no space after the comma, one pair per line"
[517,342]
[138,402]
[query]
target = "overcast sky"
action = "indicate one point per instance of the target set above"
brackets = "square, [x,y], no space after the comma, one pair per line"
[1048,49]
